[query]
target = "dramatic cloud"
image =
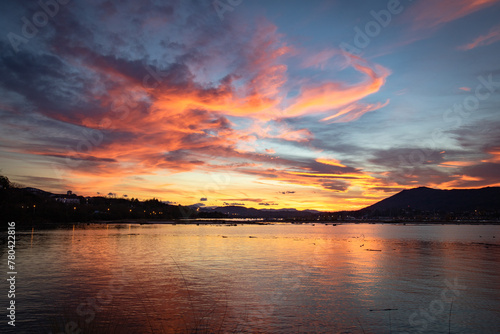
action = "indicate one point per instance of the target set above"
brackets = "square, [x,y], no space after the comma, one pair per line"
[167,100]
[332,95]
[136,117]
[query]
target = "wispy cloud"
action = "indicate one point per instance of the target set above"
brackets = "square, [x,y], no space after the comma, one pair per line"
[431,14]
[353,112]
[318,98]
[491,37]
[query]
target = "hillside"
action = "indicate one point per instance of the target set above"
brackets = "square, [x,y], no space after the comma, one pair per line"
[427,199]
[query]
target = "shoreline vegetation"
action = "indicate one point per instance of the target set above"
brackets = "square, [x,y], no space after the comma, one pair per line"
[32,207]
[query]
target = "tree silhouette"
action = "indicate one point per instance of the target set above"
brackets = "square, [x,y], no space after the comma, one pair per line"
[4,182]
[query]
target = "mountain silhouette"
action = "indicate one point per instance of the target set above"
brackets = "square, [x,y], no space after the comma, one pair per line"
[428,199]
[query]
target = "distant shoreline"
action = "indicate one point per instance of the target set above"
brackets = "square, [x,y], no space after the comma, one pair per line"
[228,222]
[261,221]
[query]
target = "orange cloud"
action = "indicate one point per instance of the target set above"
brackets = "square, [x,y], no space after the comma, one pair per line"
[470,178]
[353,112]
[455,164]
[332,95]
[175,124]
[461,181]
[495,155]
[332,162]
[256,90]
[325,174]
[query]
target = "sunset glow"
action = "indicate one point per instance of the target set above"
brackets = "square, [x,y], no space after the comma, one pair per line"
[261,104]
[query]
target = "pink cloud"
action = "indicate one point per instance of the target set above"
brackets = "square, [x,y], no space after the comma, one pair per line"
[353,111]
[491,37]
[430,14]
[317,98]
[179,124]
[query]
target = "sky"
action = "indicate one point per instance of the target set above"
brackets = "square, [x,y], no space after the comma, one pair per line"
[327,105]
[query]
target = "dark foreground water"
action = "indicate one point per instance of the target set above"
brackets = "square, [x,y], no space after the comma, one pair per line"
[353,278]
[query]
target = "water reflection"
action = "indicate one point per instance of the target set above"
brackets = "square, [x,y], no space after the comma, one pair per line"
[246,278]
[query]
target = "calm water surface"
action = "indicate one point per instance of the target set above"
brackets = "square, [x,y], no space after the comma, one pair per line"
[352,278]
